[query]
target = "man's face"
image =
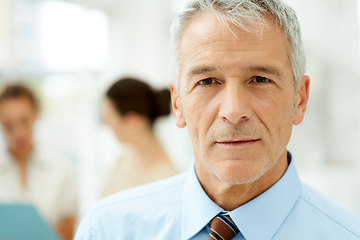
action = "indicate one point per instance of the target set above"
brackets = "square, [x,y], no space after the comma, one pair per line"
[237,97]
[17,117]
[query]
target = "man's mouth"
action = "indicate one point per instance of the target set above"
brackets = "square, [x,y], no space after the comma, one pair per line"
[238,142]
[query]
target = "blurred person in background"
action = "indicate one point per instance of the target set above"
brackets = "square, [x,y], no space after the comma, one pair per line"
[131,109]
[29,174]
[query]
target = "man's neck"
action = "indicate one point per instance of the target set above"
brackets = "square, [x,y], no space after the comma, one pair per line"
[230,197]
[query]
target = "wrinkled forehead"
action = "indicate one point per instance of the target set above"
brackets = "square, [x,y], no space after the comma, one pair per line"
[197,28]
[207,28]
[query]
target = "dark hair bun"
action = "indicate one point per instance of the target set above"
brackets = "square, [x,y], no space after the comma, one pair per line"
[133,95]
[162,101]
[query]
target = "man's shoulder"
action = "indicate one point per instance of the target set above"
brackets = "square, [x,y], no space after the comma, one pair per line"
[145,196]
[326,210]
[156,205]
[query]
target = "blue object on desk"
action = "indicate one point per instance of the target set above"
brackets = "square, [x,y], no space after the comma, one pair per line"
[23,221]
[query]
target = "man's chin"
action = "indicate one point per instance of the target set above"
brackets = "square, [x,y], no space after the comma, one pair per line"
[236,173]
[238,180]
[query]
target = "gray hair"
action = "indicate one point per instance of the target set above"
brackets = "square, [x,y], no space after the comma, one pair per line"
[244,14]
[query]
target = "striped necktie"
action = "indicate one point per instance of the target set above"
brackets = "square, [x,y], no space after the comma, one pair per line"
[222,227]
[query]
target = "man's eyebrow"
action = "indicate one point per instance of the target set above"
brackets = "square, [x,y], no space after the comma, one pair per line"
[262,69]
[266,69]
[201,70]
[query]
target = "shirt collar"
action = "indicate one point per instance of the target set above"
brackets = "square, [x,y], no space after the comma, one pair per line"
[7,160]
[197,204]
[269,210]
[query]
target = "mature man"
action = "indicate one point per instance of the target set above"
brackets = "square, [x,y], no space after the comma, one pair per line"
[241,87]
[27,172]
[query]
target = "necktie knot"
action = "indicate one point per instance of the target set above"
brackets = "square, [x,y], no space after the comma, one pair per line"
[222,227]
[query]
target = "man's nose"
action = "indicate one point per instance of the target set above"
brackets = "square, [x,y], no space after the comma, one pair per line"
[235,104]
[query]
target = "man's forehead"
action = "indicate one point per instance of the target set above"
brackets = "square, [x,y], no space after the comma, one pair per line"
[209,45]
[209,26]
[199,28]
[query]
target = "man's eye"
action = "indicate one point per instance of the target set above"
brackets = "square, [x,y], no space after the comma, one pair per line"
[206,81]
[259,79]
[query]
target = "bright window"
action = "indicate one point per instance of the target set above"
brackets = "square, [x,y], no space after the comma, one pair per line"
[73,38]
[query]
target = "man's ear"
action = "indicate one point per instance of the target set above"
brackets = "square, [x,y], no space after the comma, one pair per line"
[302,97]
[176,106]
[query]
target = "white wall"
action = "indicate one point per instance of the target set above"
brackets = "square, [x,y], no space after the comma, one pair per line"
[326,144]
[6,36]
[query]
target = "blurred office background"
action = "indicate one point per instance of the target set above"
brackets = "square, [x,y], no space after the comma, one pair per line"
[70,51]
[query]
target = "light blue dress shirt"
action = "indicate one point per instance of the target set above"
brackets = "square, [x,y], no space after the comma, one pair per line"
[178,208]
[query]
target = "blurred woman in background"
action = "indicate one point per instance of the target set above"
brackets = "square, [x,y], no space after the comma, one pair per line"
[131,108]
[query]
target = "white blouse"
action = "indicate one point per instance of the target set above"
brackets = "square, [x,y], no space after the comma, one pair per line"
[51,184]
